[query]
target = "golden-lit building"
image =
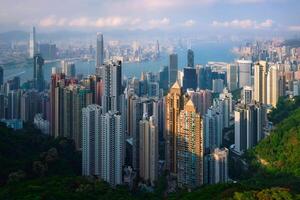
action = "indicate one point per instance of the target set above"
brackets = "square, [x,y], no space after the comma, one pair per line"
[173,105]
[189,147]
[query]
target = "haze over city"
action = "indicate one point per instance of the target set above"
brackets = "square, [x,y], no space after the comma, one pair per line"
[150,99]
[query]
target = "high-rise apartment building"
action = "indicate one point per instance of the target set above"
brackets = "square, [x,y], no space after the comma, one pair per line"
[148,149]
[218,166]
[244,72]
[173,105]
[250,121]
[260,82]
[103,144]
[112,83]
[189,147]
[273,86]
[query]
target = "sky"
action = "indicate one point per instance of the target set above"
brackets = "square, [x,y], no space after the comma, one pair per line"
[211,16]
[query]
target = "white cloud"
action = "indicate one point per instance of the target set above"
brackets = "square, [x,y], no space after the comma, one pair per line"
[294,28]
[158,23]
[244,24]
[189,23]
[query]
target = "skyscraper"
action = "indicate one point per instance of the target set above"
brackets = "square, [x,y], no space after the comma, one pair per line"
[247,95]
[189,147]
[112,80]
[32,44]
[173,69]
[164,78]
[273,86]
[231,76]
[112,143]
[260,82]
[244,72]
[99,50]
[218,166]
[249,123]
[68,68]
[148,149]
[202,100]
[38,75]
[190,58]
[91,142]
[173,105]
[189,78]
[102,144]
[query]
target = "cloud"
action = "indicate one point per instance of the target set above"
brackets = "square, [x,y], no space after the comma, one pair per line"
[158,23]
[189,23]
[106,22]
[244,24]
[294,28]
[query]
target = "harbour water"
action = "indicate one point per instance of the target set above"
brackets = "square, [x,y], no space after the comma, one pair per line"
[204,52]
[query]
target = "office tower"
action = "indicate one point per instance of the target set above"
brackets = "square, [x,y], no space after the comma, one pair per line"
[202,100]
[68,68]
[32,44]
[29,105]
[112,143]
[213,126]
[173,69]
[112,80]
[244,72]
[260,82]
[91,140]
[205,80]
[153,89]
[164,78]
[190,58]
[13,104]
[249,123]
[1,76]
[173,105]
[38,75]
[189,147]
[231,76]
[99,50]
[189,78]
[148,149]
[218,166]
[273,86]
[247,95]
